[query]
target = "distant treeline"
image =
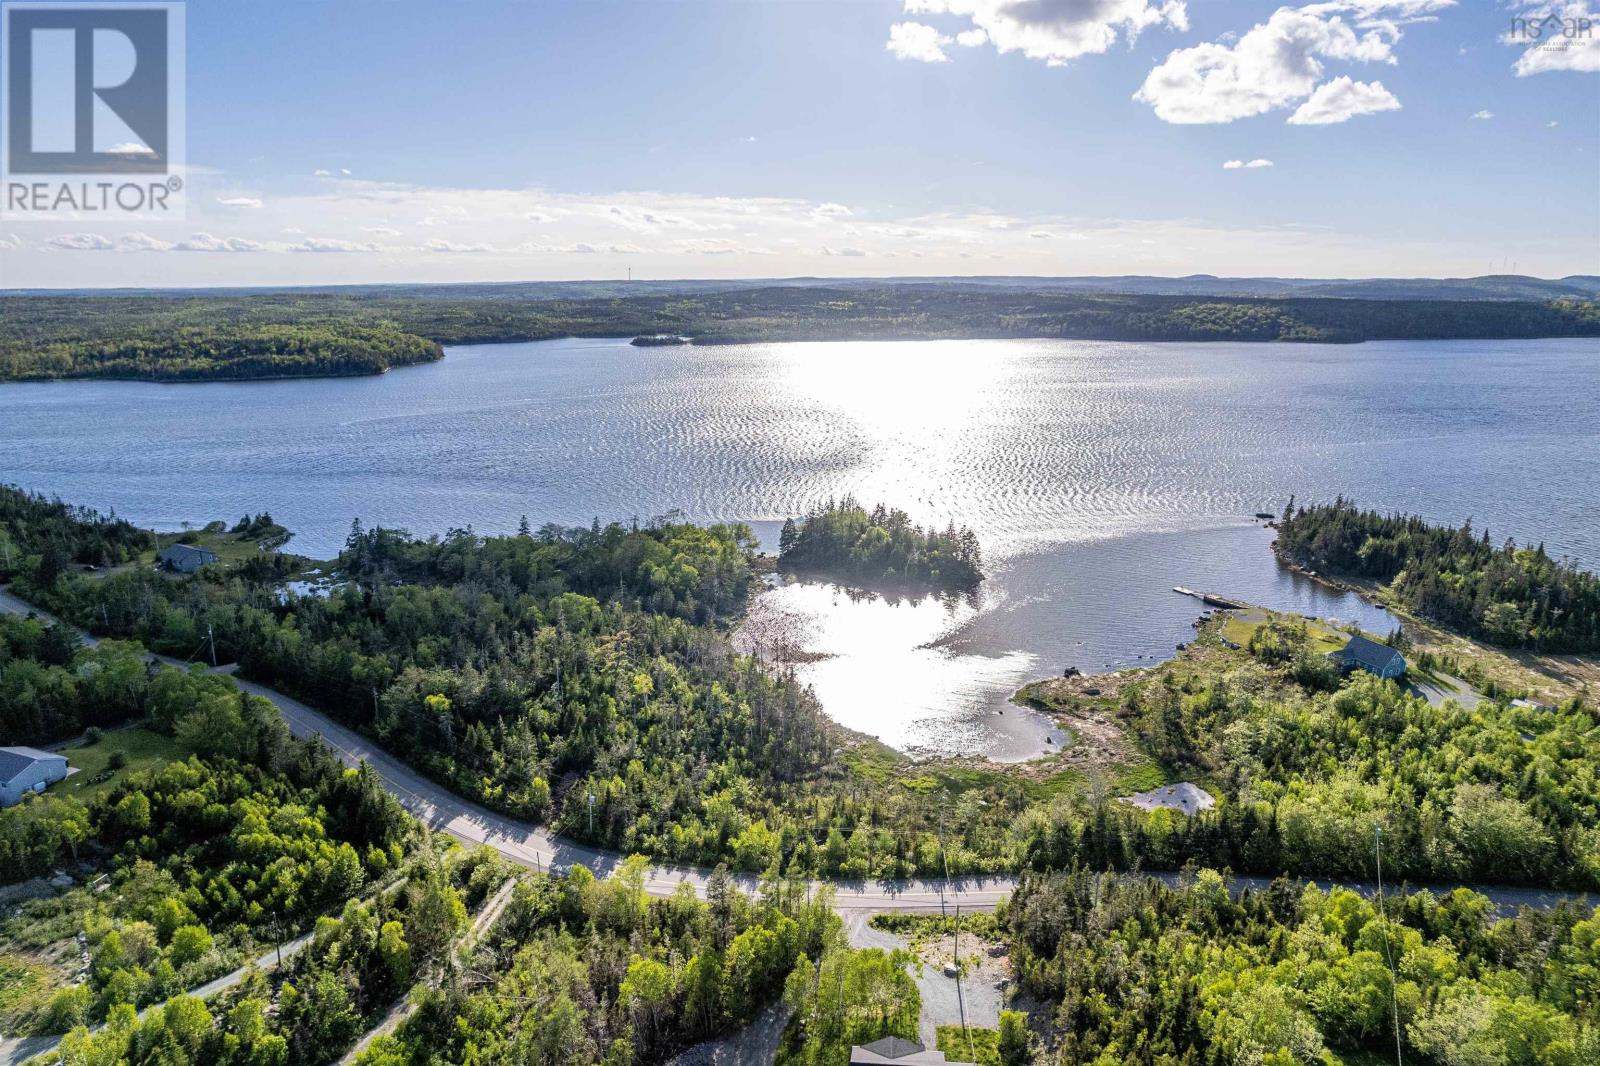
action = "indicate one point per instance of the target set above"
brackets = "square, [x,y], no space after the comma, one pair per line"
[168,337]
[1509,595]
[844,540]
[204,353]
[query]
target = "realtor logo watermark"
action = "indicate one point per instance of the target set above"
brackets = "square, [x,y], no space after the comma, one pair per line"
[1554,31]
[93,111]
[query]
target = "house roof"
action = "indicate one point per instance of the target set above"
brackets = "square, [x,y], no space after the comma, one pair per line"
[180,551]
[897,1051]
[15,760]
[1368,653]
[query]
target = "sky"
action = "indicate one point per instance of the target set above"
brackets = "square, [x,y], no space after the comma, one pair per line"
[347,141]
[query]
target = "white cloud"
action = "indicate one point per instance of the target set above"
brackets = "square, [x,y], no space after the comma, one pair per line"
[1054,31]
[917,40]
[1240,164]
[1555,37]
[322,173]
[1483,116]
[332,244]
[239,201]
[130,148]
[143,242]
[1342,99]
[12,243]
[457,248]
[205,242]
[696,236]
[1279,63]
[79,242]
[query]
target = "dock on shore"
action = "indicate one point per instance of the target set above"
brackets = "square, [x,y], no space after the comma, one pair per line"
[1211,599]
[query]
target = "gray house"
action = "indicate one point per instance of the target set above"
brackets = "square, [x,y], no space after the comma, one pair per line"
[24,770]
[186,558]
[1369,655]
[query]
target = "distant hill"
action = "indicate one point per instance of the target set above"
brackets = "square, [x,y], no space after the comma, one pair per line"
[1485,287]
[188,336]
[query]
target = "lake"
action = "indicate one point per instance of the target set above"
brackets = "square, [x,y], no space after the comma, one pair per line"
[1097,475]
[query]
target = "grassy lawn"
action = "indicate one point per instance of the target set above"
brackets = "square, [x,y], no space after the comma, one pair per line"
[974,1045]
[1321,638]
[144,750]
[25,989]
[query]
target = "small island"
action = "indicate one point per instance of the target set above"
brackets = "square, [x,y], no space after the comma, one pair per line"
[880,548]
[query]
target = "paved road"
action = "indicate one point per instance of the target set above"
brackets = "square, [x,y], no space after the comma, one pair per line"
[535,847]
[1446,688]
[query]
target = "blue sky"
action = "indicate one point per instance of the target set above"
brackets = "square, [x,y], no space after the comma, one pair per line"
[711,138]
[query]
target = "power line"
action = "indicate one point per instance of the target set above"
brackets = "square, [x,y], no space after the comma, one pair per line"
[1388,951]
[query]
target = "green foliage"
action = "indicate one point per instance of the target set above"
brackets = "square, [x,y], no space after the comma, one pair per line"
[213,352]
[41,538]
[974,1044]
[849,997]
[842,539]
[1494,794]
[1140,972]
[190,337]
[579,971]
[1516,597]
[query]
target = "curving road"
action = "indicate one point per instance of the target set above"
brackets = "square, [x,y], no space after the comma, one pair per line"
[534,846]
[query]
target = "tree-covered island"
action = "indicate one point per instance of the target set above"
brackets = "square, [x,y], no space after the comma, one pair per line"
[880,548]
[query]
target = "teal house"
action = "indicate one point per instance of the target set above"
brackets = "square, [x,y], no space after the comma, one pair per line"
[1370,656]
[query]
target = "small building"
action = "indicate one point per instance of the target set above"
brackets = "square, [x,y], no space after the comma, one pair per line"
[900,1052]
[1370,656]
[185,558]
[25,770]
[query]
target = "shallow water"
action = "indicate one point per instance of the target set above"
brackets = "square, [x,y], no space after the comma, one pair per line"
[1097,475]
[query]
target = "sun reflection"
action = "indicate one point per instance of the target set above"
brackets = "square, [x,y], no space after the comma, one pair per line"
[877,667]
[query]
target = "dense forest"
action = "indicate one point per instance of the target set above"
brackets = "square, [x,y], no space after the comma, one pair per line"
[200,353]
[882,547]
[1517,597]
[1137,972]
[175,337]
[232,839]
[583,971]
[532,671]
[55,535]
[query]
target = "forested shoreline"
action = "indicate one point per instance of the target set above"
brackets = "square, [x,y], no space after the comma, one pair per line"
[314,333]
[532,671]
[1517,597]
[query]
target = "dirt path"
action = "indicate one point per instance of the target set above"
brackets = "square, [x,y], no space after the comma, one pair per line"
[407,1005]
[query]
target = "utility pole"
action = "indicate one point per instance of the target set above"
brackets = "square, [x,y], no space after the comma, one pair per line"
[212,637]
[591,815]
[961,1003]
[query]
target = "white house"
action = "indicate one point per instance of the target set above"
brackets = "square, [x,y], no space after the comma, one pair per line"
[24,770]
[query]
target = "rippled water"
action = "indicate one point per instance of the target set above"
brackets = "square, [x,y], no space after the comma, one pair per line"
[1097,475]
